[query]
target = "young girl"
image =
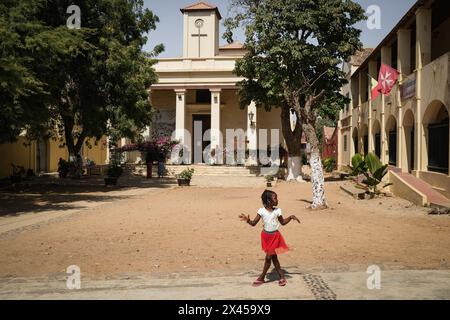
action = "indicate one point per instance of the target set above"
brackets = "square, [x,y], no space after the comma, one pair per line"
[272,241]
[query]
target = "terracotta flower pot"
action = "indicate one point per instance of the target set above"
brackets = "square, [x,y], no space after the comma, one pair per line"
[184,182]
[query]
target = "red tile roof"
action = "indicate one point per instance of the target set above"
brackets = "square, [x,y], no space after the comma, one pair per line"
[328,132]
[201,6]
[360,56]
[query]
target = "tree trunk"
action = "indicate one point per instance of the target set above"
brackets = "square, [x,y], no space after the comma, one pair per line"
[317,179]
[149,169]
[293,143]
[72,147]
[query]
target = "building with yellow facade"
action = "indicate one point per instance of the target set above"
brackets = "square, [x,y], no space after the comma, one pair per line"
[43,156]
[409,128]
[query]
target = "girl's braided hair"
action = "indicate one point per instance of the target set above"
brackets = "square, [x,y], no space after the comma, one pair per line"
[266,198]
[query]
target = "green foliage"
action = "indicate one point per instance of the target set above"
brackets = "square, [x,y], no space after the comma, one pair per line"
[295,48]
[64,168]
[269,178]
[87,82]
[114,171]
[358,165]
[329,164]
[373,170]
[186,174]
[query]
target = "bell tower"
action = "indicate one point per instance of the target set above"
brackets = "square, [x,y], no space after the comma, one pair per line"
[200,30]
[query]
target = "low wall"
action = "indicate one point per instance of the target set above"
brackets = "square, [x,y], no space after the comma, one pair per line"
[403,190]
[440,181]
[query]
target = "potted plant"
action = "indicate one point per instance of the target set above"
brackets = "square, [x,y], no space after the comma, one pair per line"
[63,168]
[113,173]
[184,178]
[269,180]
[17,173]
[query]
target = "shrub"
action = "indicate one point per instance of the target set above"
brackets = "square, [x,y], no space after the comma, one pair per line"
[329,164]
[64,168]
[114,171]
[373,170]
[186,174]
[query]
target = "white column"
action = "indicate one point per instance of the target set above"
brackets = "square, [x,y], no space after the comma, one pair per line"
[373,74]
[108,153]
[404,66]
[404,52]
[423,37]
[216,135]
[180,116]
[360,108]
[386,58]
[148,130]
[123,142]
[360,87]
[423,57]
[252,135]
[339,133]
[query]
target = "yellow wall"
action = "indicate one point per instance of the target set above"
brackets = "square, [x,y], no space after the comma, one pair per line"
[25,156]
[18,154]
[98,151]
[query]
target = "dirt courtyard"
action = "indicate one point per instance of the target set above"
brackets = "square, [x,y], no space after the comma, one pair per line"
[197,229]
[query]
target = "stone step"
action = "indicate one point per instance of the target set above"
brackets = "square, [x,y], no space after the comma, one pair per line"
[204,170]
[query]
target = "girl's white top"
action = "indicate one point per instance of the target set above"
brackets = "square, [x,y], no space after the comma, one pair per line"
[270,219]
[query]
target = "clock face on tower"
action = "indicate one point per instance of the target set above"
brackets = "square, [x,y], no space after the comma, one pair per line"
[199,23]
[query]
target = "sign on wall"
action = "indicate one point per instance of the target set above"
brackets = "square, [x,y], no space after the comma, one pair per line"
[408,88]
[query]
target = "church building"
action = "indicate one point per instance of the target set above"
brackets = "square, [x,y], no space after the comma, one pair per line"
[198,93]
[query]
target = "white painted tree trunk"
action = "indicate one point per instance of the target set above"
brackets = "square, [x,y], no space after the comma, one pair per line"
[295,169]
[317,180]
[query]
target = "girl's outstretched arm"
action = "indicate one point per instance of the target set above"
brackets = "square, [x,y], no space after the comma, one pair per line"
[287,220]
[247,219]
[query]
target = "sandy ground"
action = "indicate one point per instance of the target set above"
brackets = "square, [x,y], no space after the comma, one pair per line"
[197,229]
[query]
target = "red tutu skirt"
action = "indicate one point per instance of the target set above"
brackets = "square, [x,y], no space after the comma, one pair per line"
[273,243]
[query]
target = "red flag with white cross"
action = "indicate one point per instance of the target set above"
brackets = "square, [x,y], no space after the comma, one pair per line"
[387,78]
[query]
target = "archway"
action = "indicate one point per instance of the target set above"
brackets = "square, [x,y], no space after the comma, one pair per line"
[355,138]
[365,138]
[376,131]
[391,134]
[436,129]
[409,145]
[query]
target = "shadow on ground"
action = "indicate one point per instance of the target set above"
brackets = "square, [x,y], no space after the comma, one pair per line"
[42,194]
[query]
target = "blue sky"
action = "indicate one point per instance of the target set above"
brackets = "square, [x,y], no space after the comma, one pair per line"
[169,30]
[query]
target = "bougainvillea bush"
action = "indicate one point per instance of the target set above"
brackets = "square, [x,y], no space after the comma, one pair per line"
[154,150]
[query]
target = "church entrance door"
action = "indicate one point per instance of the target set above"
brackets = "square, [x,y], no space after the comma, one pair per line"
[203,141]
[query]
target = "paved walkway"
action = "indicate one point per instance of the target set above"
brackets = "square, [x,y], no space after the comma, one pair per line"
[395,285]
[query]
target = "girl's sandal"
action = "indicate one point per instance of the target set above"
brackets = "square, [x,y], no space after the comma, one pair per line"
[282,282]
[257,283]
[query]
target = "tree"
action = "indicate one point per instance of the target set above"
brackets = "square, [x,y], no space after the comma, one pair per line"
[95,78]
[294,51]
[21,91]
